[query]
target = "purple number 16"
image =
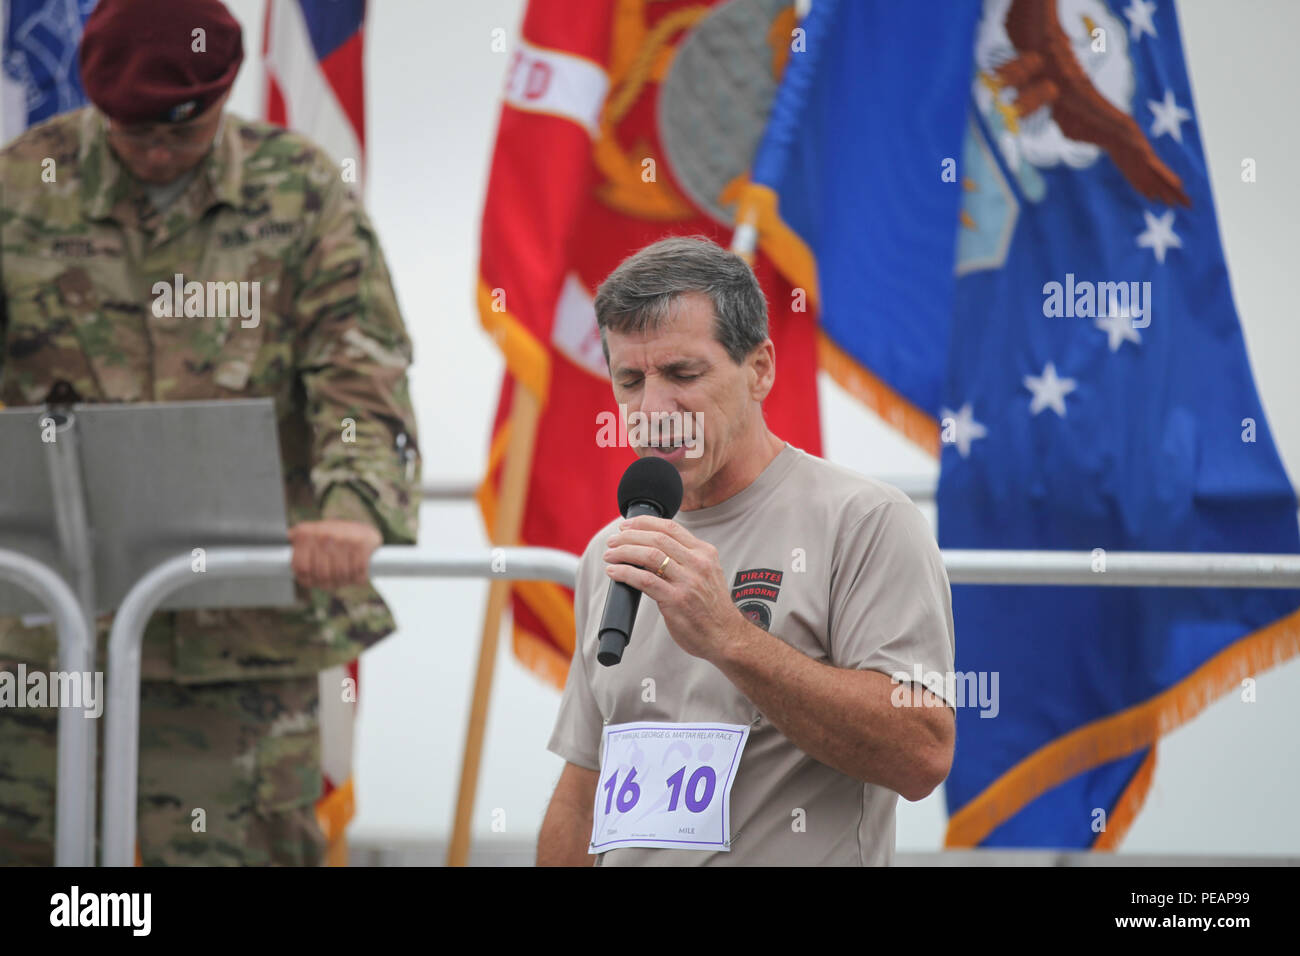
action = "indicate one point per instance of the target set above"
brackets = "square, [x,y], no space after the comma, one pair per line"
[628,794]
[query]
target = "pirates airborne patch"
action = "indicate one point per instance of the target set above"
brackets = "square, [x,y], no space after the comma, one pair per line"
[754,587]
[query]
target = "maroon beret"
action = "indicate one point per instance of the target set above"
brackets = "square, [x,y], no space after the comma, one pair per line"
[143,61]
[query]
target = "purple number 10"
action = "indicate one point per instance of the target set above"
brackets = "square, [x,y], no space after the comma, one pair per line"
[693,804]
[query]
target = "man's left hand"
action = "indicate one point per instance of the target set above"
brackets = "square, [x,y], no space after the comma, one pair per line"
[692,593]
[333,553]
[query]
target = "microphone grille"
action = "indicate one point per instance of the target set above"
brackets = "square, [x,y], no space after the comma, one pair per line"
[654,480]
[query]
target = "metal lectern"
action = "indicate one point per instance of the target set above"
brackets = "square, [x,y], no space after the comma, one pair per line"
[94,497]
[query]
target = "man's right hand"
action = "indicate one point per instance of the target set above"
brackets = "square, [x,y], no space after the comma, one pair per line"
[333,553]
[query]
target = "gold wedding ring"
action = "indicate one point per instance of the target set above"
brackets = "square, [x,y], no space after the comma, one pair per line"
[660,572]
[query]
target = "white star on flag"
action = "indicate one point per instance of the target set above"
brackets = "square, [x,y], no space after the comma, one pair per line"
[1049,391]
[964,428]
[1139,18]
[1118,326]
[1159,234]
[1169,117]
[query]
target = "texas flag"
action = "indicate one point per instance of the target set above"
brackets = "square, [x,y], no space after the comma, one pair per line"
[315,79]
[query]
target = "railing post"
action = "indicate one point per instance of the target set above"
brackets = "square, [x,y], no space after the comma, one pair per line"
[122,733]
[74,819]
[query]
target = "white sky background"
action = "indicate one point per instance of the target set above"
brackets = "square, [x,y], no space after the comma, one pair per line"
[1224,784]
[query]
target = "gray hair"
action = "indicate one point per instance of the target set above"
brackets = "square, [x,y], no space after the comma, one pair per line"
[639,294]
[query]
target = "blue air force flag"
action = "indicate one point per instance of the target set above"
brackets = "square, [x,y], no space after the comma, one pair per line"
[1099,398]
[1079,356]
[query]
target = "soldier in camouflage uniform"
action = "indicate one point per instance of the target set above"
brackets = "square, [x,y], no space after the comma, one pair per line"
[97,206]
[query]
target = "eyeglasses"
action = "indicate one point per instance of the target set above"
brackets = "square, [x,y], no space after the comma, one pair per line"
[187,139]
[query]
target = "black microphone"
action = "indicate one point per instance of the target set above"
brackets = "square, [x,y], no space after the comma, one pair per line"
[650,486]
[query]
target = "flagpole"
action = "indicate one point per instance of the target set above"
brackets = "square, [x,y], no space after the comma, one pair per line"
[525,412]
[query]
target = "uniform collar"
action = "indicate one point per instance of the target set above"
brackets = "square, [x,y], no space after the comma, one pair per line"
[106,185]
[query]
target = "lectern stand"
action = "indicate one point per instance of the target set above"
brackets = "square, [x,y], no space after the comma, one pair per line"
[93,497]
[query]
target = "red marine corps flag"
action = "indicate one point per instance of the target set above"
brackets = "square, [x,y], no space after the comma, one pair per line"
[624,121]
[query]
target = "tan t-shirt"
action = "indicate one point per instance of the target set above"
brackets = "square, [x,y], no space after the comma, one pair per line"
[841,567]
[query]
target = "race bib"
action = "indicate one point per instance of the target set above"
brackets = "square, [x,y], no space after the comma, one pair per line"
[666,785]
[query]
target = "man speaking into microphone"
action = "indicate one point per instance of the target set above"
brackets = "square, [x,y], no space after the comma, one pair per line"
[755,717]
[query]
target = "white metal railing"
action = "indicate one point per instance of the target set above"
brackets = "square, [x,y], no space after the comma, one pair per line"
[122,734]
[463,489]
[74,812]
[1129,569]
[121,750]
[450,490]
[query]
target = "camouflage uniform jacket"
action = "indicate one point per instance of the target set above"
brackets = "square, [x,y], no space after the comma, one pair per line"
[81,249]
